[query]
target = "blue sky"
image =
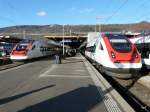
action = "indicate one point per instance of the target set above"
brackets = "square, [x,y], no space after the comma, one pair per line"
[43,12]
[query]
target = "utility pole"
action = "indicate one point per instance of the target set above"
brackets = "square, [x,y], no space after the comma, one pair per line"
[24,34]
[70,33]
[98,24]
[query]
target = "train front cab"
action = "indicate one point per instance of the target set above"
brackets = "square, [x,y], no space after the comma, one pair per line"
[125,61]
[20,51]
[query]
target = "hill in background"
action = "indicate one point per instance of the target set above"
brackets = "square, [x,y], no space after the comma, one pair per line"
[57,29]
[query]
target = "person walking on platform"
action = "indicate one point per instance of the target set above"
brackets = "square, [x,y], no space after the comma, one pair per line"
[58,56]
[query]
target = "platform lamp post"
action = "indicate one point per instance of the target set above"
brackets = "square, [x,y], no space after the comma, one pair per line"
[63,41]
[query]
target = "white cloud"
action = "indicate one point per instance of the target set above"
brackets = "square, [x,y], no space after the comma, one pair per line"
[86,10]
[41,13]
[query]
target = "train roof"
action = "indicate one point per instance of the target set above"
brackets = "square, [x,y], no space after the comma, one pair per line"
[53,43]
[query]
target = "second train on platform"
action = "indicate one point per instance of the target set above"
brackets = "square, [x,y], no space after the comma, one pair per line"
[30,49]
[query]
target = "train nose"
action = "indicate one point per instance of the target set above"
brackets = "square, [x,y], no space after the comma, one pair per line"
[133,57]
[20,52]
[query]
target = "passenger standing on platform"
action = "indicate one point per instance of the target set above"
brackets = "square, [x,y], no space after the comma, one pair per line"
[58,56]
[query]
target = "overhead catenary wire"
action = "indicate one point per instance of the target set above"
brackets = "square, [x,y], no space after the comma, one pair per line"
[9,17]
[144,2]
[144,15]
[116,11]
[12,7]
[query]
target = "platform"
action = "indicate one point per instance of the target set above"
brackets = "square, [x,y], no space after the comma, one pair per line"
[73,86]
[98,93]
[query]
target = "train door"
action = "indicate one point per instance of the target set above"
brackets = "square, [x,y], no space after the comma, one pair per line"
[100,52]
[93,51]
[33,51]
[100,56]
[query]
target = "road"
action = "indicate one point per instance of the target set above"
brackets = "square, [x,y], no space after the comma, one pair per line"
[43,86]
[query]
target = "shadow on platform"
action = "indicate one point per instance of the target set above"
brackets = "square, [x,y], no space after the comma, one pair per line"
[47,58]
[82,99]
[12,98]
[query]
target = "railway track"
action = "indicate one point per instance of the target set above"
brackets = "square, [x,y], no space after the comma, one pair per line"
[12,65]
[137,95]
[15,64]
[134,91]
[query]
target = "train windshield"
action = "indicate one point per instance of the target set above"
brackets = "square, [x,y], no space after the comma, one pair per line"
[21,46]
[120,43]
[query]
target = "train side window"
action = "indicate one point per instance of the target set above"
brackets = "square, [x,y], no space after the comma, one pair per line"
[41,49]
[94,47]
[101,47]
[33,47]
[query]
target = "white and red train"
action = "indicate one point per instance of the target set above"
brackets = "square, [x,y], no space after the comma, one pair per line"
[142,42]
[114,54]
[29,49]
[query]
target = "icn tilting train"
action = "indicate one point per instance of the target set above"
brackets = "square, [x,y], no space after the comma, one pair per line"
[115,55]
[29,49]
[142,42]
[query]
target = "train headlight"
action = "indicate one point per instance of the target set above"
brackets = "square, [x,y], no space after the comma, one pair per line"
[113,55]
[136,54]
